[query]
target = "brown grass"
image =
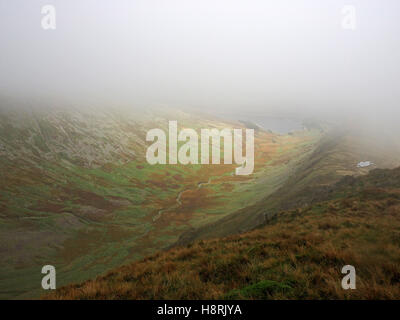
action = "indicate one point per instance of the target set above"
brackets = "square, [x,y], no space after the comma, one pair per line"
[297,255]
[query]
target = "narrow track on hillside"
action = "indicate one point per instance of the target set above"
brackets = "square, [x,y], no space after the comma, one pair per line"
[178,199]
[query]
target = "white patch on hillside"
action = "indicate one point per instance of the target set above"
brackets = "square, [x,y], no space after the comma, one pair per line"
[364,164]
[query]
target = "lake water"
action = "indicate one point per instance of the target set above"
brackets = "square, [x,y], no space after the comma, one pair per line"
[279,125]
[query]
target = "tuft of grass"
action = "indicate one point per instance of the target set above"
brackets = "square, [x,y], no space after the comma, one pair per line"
[260,290]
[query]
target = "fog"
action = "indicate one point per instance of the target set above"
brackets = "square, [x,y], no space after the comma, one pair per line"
[222,56]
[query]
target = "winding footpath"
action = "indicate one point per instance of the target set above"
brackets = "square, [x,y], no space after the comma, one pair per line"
[178,199]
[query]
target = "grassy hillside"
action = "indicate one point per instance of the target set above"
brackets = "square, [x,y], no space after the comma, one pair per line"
[297,254]
[334,156]
[78,194]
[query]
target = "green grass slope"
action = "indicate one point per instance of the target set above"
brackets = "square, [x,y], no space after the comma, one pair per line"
[77,193]
[297,254]
[316,172]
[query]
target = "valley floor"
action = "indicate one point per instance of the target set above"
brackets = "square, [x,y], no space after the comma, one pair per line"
[297,254]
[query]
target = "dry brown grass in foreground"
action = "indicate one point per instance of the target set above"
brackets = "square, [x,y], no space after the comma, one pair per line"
[297,255]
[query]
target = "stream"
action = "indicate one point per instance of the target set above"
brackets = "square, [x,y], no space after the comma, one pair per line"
[178,199]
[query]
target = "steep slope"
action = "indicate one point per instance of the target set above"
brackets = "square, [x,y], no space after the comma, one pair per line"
[77,193]
[297,254]
[336,155]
